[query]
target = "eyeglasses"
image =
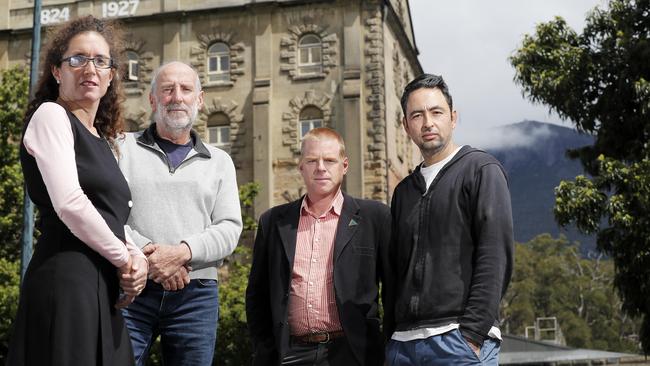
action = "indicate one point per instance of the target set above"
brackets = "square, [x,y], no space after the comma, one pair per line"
[100,62]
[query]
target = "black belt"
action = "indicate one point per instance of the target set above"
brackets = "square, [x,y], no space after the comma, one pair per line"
[320,337]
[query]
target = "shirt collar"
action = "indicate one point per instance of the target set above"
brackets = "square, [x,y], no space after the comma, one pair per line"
[335,208]
[147,137]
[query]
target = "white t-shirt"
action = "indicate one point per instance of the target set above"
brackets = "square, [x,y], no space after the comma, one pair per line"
[430,172]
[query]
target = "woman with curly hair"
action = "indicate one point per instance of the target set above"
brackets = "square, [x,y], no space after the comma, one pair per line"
[70,293]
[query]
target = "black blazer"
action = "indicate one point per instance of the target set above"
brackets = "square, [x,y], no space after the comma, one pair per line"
[360,262]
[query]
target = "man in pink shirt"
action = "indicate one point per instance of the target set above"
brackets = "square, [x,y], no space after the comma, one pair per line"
[312,296]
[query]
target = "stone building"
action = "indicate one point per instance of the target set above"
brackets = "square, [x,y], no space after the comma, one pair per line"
[271,70]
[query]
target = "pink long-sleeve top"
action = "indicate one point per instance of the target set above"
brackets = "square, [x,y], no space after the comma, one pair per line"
[48,138]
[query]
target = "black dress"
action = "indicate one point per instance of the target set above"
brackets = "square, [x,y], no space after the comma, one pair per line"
[66,314]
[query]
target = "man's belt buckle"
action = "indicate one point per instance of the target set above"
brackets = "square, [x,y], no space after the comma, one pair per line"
[327,337]
[321,337]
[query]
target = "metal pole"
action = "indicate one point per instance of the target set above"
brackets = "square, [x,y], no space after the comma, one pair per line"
[28,206]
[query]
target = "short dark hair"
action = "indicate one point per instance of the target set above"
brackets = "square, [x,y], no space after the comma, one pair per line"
[426,81]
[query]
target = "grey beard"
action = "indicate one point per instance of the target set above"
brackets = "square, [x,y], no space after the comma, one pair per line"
[173,124]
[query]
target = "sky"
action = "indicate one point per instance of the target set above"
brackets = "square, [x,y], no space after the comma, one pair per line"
[468,42]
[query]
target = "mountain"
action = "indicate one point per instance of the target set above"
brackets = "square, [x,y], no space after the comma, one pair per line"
[534,156]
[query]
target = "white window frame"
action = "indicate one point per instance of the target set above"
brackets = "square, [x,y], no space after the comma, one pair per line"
[223,145]
[311,123]
[219,75]
[310,67]
[132,75]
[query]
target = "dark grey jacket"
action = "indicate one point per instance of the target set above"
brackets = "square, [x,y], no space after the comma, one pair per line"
[360,249]
[453,245]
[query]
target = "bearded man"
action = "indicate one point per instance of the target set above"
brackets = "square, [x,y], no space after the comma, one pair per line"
[186,218]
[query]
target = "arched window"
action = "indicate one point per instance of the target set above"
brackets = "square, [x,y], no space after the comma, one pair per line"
[310,50]
[218,63]
[133,66]
[310,118]
[219,131]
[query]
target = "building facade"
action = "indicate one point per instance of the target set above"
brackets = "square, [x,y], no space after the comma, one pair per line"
[271,70]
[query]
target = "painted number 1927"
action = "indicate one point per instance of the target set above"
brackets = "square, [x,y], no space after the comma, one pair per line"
[121,8]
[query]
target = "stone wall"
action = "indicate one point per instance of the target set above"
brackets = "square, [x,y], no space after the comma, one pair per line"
[375,185]
[364,66]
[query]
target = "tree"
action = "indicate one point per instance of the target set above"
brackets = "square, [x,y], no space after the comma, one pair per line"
[14,89]
[9,284]
[551,279]
[13,101]
[233,343]
[599,79]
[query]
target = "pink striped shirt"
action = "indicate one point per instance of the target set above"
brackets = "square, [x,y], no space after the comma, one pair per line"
[312,304]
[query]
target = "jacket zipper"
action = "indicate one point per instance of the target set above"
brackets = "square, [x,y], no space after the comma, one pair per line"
[171,169]
[424,209]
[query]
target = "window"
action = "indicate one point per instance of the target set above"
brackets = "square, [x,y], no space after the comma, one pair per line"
[219,131]
[310,118]
[218,63]
[133,66]
[309,55]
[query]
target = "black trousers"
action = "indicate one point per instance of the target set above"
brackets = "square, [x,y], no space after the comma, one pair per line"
[336,352]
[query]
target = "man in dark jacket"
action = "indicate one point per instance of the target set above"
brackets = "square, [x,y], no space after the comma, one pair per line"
[312,296]
[452,241]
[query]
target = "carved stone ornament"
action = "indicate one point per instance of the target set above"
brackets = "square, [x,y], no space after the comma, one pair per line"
[289,50]
[290,126]
[237,130]
[137,87]
[198,56]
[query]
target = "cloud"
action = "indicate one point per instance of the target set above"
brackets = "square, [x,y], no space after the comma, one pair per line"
[506,137]
[469,42]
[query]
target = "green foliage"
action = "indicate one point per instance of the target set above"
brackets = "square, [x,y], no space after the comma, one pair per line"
[155,354]
[9,285]
[14,89]
[233,344]
[599,80]
[247,194]
[572,199]
[627,236]
[551,279]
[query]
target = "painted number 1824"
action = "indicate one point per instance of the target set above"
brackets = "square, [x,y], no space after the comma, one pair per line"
[55,15]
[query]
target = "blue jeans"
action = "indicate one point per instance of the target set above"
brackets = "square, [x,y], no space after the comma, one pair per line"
[186,321]
[444,349]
